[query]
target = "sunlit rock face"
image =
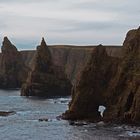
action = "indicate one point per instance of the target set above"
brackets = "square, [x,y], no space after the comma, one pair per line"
[124,90]
[112,82]
[12,69]
[45,79]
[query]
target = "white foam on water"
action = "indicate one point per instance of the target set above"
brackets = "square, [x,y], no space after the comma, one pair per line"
[101,109]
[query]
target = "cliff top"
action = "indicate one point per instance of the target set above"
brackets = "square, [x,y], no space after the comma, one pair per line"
[132,41]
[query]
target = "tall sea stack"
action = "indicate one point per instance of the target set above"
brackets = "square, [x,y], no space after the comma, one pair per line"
[112,82]
[13,72]
[45,79]
[87,94]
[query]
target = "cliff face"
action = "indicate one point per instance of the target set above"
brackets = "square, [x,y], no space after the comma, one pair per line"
[45,78]
[125,86]
[110,81]
[27,57]
[87,94]
[12,69]
[71,58]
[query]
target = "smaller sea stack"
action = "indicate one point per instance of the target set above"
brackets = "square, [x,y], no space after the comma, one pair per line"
[45,79]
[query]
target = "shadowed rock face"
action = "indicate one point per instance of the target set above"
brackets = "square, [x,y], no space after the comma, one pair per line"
[88,92]
[124,90]
[71,58]
[12,69]
[45,79]
[112,82]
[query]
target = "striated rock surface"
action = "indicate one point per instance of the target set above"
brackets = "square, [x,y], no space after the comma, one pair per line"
[112,82]
[12,69]
[45,79]
[87,94]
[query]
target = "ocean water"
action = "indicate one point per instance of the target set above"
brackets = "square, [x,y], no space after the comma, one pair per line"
[25,124]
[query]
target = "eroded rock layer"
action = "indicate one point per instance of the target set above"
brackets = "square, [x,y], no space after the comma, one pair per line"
[45,78]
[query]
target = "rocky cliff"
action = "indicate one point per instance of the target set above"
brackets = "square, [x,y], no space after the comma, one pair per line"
[124,89]
[46,79]
[110,81]
[88,91]
[71,58]
[12,69]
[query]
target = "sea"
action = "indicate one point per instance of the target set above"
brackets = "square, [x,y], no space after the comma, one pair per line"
[37,119]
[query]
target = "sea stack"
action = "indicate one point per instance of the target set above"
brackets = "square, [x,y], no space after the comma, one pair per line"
[45,79]
[88,92]
[12,69]
[112,82]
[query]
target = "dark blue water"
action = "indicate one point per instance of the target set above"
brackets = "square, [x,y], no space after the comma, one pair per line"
[25,124]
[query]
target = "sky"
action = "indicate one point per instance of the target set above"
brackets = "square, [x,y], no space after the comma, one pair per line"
[79,22]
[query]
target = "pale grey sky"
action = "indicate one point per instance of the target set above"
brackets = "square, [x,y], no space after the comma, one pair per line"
[79,22]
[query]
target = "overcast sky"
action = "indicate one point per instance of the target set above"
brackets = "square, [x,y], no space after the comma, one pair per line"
[77,22]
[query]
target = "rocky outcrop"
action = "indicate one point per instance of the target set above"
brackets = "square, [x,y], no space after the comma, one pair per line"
[124,90]
[112,82]
[45,78]
[87,94]
[12,69]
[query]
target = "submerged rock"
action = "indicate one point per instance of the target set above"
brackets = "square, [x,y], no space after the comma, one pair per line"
[7,113]
[77,123]
[43,119]
[45,79]
[13,72]
[101,123]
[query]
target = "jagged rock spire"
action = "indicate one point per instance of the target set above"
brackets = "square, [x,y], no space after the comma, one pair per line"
[12,68]
[6,41]
[45,79]
[43,43]
[7,46]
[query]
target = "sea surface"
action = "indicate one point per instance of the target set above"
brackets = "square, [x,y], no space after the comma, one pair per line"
[25,124]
